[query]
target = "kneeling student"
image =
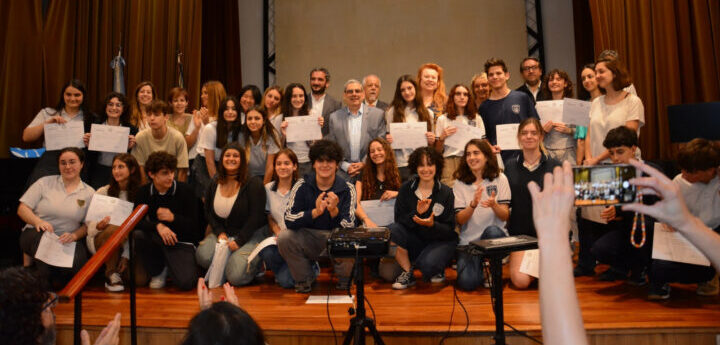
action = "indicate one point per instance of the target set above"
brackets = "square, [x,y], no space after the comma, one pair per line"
[319,202]
[167,235]
[424,228]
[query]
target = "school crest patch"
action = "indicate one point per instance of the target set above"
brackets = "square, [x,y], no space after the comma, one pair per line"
[491,189]
[516,108]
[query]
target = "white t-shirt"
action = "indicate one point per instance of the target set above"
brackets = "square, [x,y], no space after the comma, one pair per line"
[194,151]
[207,139]
[703,200]
[411,116]
[605,117]
[444,122]
[276,204]
[223,205]
[482,217]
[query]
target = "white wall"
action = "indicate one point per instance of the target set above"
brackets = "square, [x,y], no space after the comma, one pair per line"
[559,37]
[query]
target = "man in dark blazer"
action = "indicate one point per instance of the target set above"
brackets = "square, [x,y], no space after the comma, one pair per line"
[371,86]
[531,72]
[320,102]
[353,127]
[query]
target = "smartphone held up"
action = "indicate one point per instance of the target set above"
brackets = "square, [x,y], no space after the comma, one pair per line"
[604,184]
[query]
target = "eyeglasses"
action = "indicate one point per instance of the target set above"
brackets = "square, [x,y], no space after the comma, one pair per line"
[531,68]
[52,303]
[351,91]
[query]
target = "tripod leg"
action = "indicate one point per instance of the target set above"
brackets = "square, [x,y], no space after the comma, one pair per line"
[350,334]
[375,334]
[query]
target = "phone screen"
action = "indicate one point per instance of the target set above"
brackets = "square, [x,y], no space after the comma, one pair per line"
[604,184]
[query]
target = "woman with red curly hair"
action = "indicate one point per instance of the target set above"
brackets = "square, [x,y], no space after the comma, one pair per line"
[432,87]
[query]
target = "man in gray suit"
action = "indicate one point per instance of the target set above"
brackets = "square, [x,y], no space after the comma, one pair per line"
[320,102]
[371,85]
[353,127]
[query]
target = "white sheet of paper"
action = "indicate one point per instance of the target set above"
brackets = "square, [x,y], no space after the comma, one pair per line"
[550,111]
[270,241]
[576,112]
[464,134]
[302,128]
[507,136]
[530,264]
[673,246]
[102,206]
[334,299]
[52,252]
[381,212]
[59,136]
[108,138]
[408,135]
[215,275]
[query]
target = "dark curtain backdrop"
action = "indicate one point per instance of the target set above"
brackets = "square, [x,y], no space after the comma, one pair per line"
[672,49]
[77,39]
[220,56]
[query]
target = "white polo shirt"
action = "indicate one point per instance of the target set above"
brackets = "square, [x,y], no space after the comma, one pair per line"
[482,217]
[49,201]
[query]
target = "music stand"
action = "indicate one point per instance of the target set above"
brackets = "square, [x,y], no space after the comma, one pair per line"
[495,250]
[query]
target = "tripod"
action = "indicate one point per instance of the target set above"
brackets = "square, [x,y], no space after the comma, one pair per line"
[356,332]
[496,291]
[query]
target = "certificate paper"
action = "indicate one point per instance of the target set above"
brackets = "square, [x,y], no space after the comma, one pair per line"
[464,134]
[672,246]
[108,138]
[576,112]
[380,212]
[550,111]
[102,206]
[408,135]
[302,128]
[52,252]
[61,135]
[507,136]
[530,264]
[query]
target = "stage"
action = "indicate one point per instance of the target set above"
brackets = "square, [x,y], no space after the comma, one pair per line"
[614,313]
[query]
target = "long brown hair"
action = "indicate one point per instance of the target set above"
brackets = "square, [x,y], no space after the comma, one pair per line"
[490,171]
[136,118]
[134,180]
[369,171]
[470,107]
[398,103]
[267,132]
[216,93]
[293,158]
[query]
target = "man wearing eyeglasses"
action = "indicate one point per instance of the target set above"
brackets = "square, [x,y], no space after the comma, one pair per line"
[532,74]
[353,126]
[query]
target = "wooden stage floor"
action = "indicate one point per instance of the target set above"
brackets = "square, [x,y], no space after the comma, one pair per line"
[614,313]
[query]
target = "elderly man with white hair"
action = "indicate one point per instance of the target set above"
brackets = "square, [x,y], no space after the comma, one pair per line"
[371,86]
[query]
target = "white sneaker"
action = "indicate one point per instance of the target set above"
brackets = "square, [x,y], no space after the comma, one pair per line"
[438,278]
[158,281]
[114,283]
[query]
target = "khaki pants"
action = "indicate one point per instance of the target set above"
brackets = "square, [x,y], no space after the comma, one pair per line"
[450,165]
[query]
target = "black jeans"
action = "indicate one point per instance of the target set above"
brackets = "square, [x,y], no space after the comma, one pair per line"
[179,259]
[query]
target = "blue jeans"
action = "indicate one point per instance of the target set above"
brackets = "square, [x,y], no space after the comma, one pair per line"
[271,256]
[237,271]
[431,258]
[469,267]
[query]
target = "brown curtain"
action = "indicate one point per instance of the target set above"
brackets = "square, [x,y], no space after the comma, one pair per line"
[77,39]
[672,50]
[220,55]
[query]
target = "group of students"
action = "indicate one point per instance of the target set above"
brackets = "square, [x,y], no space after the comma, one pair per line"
[249,183]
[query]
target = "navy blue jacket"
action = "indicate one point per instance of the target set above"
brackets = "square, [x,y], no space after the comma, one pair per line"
[298,214]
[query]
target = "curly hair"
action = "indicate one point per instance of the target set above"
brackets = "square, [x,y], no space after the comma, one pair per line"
[491,170]
[242,173]
[326,150]
[22,297]
[134,180]
[159,160]
[470,108]
[432,157]
[567,91]
[124,116]
[698,155]
[439,95]
[369,171]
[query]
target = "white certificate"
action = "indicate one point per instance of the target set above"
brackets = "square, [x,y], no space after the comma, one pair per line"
[52,252]
[381,213]
[408,135]
[108,138]
[530,264]
[102,206]
[576,112]
[302,128]
[463,134]
[507,136]
[61,135]
[550,111]
[672,246]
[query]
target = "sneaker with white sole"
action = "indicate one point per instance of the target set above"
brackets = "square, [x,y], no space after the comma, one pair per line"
[158,281]
[438,278]
[404,280]
[708,288]
[114,283]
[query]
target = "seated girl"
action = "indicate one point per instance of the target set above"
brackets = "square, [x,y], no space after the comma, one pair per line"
[234,209]
[380,178]
[482,206]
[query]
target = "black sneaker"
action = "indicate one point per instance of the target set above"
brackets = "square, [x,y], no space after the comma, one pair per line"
[611,275]
[659,293]
[580,271]
[404,280]
[304,286]
[637,279]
